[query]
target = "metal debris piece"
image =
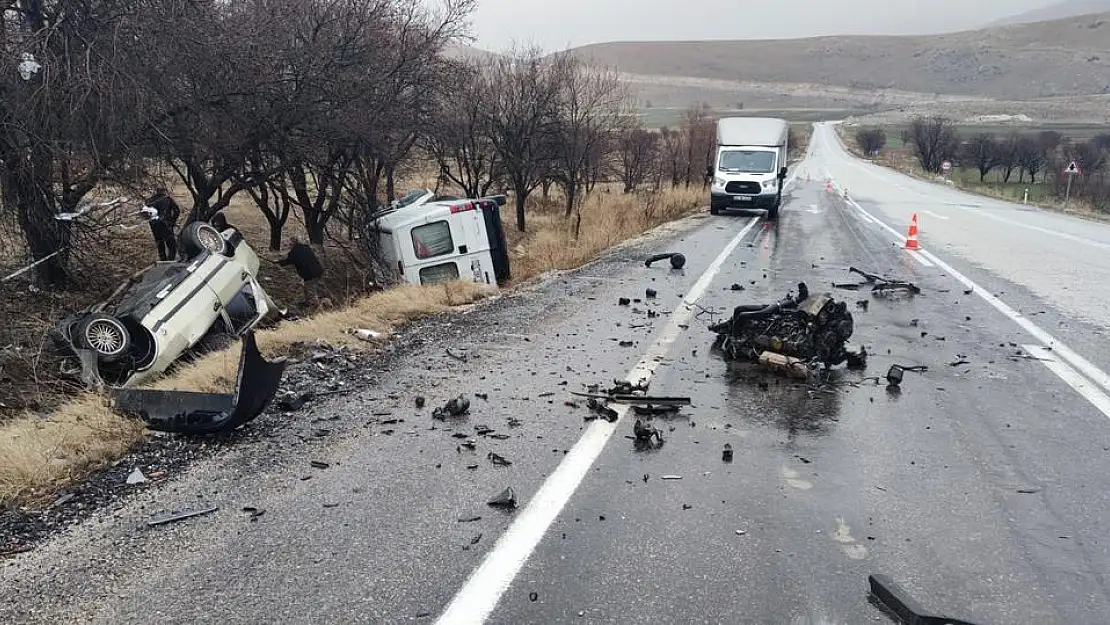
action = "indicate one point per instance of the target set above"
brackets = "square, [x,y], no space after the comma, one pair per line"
[654,411]
[792,367]
[136,477]
[505,499]
[671,477]
[857,360]
[498,460]
[316,464]
[895,599]
[455,407]
[650,294]
[186,412]
[173,517]
[678,261]
[726,455]
[737,287]
[626,343]
[600,409]
[624,301]
[894,375]
[469,519]
[646,433]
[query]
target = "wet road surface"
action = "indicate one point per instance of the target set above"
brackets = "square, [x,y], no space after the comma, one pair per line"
[980,487]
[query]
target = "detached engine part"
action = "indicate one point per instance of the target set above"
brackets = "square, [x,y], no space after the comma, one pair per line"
[799,332]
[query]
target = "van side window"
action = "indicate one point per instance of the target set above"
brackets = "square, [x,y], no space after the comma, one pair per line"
[431,240]
[435,274]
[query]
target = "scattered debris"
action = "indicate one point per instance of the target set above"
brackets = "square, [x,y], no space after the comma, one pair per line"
[808,328]
[292,402]
[650,294]
[624,301]
[533,596]
[136,477]
[476,539]
[737,287]
[455,407]
[254,512]
[498,460]
[458,357]
[881,286]
[469,519]
[316,464]
[420,401]
[482,396]
[959,362]
[678,261]
[626,343]
[726,455]
[671,477]
[863,304]
[505,499]
[173,517]
[601,410]
[894,375]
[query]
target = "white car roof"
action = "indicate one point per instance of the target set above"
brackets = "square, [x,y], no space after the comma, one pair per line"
[423,213]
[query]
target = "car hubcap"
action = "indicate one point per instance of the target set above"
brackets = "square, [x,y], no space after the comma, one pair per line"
[211,240]
[104,337]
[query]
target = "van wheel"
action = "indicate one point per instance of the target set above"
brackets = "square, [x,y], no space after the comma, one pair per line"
[713,210]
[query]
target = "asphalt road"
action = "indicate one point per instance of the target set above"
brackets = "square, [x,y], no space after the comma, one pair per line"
[980,487]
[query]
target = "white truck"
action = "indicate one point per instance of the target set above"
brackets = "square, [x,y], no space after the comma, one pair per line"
[429,239]
[749,167]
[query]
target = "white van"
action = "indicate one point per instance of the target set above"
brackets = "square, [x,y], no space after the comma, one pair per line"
[429,241]
[750,164]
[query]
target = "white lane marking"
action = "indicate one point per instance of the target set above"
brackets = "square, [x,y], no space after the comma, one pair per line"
[1081,384]
[937,215]
[1096,375]
[900,239]
[479,596]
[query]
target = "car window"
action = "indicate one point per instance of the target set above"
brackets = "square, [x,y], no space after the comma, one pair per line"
[431,240]
[444,272]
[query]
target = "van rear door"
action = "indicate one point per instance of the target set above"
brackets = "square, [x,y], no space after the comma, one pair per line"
[495,234]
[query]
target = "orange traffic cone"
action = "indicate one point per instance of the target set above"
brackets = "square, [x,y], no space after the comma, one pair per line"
[911,237]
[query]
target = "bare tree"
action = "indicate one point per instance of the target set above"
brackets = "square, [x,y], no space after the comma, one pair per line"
[1031,158]
[588,106]
[982,151]
[700,130]
[870,140]
[637,150]
[521,120]
[934,141]
[459,140]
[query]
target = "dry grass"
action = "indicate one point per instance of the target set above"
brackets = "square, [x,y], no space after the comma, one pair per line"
[38,454]
[608,218]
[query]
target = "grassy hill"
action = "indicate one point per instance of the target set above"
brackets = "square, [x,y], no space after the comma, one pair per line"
[1062,57]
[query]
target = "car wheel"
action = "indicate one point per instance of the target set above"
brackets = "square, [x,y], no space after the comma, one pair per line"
[105,335]
[199,237]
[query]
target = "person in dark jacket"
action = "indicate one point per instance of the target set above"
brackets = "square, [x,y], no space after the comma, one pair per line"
[163,213]
[308,267]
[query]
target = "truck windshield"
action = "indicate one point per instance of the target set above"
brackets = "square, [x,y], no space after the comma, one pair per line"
[747,161]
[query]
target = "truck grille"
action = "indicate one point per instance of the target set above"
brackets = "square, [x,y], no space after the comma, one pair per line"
[751,188]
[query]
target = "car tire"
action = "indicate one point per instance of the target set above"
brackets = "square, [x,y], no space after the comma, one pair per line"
[105,335]
[199,237]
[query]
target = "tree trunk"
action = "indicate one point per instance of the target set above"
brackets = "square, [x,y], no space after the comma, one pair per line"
[521,198]
[390,184]
[571,190]
[43,234]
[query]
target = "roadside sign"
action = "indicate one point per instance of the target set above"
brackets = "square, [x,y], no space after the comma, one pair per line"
[946,165]
[1073,169]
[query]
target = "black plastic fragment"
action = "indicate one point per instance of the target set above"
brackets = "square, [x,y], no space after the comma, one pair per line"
[899,602]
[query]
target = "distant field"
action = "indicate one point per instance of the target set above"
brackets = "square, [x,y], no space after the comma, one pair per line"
[1068,130]
[660,116]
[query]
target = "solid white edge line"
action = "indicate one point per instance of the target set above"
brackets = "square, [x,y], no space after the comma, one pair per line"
[1096,375]
[1073,379]
[483,589]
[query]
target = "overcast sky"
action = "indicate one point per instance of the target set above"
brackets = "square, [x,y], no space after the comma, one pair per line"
[555,24]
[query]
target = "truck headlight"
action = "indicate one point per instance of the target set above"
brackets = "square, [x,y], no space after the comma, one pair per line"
[770,184]
[718,182]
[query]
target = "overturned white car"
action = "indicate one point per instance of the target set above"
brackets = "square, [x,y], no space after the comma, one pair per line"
[166,309]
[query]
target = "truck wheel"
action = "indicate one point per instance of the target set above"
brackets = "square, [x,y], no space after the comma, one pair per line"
[105,335]
[199,237]
[713,210]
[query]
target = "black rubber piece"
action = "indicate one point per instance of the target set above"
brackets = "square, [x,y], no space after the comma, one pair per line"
[899,602]
[678,261]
